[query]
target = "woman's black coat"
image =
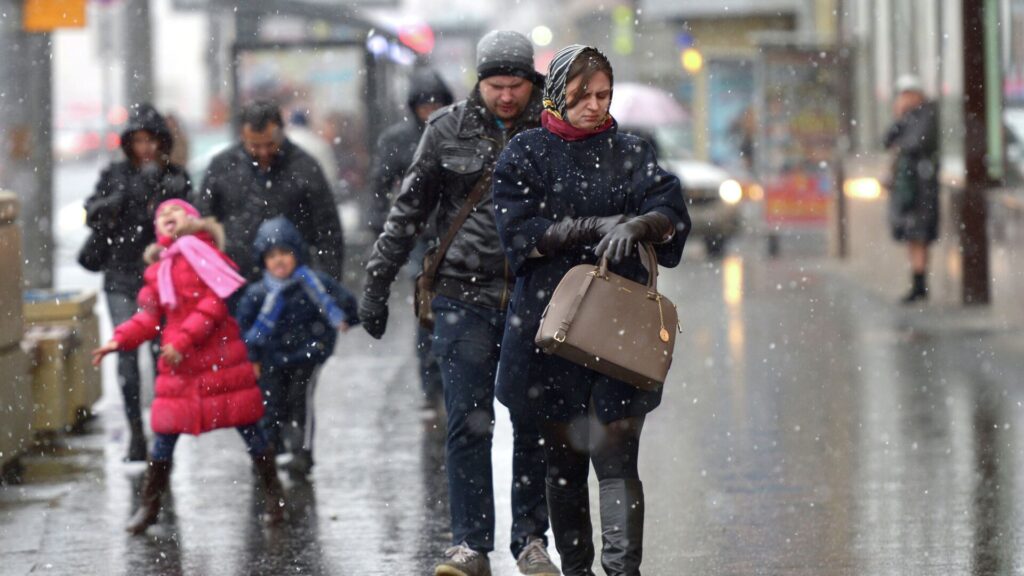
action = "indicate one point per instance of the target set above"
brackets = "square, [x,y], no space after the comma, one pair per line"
[540,179]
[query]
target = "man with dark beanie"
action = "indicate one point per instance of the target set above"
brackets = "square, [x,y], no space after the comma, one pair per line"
[395,150]
[459,147]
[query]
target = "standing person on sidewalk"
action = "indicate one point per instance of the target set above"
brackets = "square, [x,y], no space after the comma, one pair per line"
[458,150]
[204,380]
[913,139]
[564,195]
[121,212]
[290,322]
[395,150]
[264,176]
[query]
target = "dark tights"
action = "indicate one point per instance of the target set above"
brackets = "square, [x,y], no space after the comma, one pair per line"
[570,447]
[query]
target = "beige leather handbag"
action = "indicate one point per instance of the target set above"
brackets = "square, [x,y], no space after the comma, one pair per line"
[620,328]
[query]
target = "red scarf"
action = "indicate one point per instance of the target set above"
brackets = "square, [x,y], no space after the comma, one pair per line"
[567,131]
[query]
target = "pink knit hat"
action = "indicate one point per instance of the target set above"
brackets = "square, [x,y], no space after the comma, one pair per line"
[188,208]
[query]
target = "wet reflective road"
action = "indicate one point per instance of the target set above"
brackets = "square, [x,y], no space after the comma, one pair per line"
[808,427]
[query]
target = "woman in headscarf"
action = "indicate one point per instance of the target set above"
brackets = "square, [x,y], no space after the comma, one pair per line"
[564,195]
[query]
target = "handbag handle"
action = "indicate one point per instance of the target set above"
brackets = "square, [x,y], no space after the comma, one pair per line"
[649,260]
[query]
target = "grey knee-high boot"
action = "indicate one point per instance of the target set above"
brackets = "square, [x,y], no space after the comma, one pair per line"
[569,514]
[622,526]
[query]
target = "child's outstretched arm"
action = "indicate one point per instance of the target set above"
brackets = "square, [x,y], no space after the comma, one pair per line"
[346,303]
[144,325]
[99,353]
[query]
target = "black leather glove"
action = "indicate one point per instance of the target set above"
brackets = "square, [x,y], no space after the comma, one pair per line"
[373,314]
[575,232]
[619,243]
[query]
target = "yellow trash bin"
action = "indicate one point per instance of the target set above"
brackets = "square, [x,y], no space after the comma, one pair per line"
[16,406]
[74,311]
[49,348]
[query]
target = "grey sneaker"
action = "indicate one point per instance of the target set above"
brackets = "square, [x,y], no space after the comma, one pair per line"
[462,560]
[535,561]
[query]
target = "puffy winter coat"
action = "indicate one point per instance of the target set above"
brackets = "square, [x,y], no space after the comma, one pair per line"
[126,196]
[214,385]
[302,334]
[461,142]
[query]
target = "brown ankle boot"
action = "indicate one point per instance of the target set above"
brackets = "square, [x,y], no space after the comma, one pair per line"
[273,492]
[154,486]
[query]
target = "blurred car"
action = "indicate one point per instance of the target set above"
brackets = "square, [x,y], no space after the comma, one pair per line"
[84,142]
[712,194]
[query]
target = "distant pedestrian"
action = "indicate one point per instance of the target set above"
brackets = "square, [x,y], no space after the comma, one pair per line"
[289,321]
[179,141]
[913,139]
[395,150]
[456,155]
[264,176]
[205,380]
[309,140]
[121,213]
[564,195]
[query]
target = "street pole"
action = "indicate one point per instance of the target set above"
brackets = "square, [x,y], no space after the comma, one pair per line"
[138,52]
[973,209]
[26,156]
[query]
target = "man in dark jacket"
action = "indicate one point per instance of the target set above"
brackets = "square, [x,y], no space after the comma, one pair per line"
[460,145]
[397,143]
[914,189]
[395,149]
[121,212]
[264,176]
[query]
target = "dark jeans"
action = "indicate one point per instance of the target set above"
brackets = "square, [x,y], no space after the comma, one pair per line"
[255,443]
[288,396]
[430,373]
[467,340]
[122,306]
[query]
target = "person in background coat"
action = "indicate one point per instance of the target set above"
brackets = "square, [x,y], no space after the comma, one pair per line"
[395,150]
[914,189]
[567,194]
[121,211]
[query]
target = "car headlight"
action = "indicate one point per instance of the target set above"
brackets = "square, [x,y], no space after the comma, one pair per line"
[863,188]
[730,191]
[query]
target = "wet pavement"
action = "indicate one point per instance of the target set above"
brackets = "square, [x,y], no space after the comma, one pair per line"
[809,427]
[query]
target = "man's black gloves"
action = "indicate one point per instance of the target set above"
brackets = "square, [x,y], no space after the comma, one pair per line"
[619,243]
[575,232]
[373,313]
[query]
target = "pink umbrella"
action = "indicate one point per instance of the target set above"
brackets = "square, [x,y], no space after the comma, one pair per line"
[645,106]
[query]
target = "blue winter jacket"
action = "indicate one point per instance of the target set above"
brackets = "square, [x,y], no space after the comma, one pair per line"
[302,333]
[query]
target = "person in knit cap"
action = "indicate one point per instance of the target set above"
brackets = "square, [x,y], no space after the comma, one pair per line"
[453,163]
[290,321]
[204,378]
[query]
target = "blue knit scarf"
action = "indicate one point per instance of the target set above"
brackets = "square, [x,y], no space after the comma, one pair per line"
[274,304]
